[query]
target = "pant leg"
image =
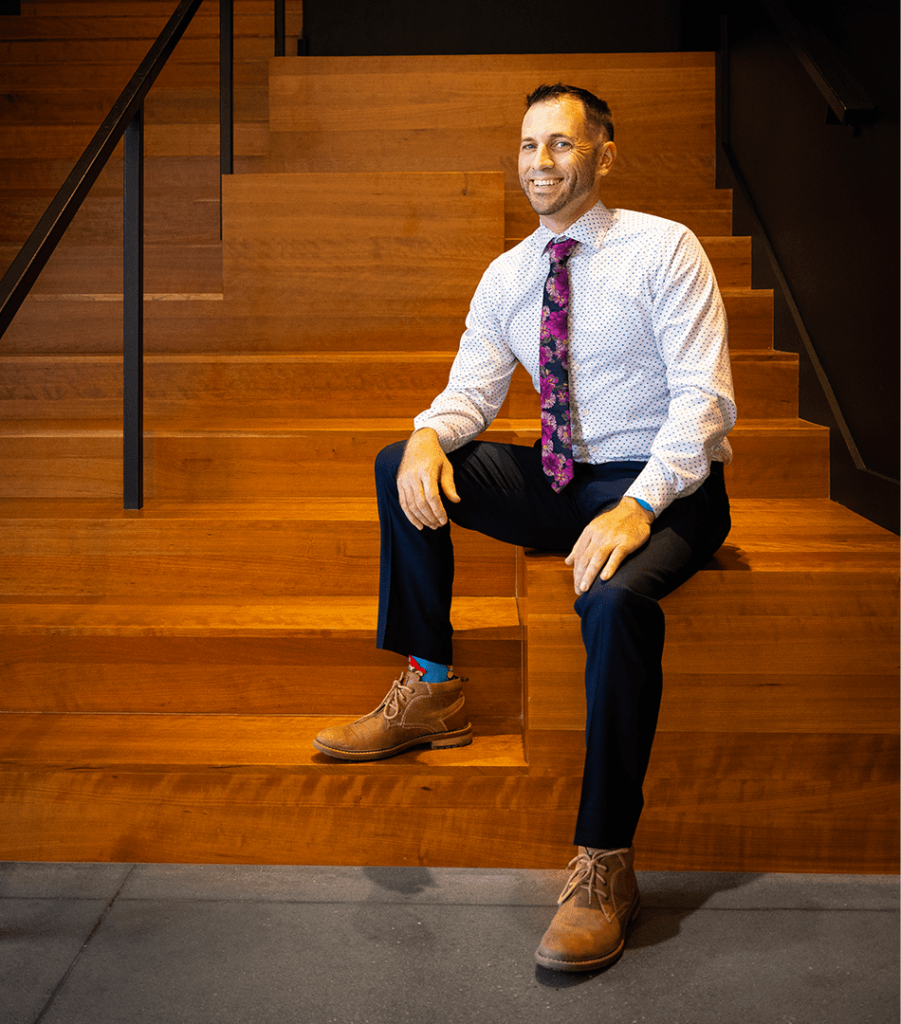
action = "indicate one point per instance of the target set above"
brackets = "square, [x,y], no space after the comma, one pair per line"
[503,494]
[623,632]
[416,574]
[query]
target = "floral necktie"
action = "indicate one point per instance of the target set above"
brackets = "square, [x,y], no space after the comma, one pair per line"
[556,423]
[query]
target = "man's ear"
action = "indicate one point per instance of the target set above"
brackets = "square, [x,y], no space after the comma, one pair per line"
[606,157]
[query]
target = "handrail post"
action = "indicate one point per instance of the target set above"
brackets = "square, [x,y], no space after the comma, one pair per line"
[226,86]
[279,28]
[133,314]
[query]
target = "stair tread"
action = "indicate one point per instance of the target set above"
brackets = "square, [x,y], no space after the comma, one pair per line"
[761,522]
[288,616]
[271,743]
[107,427]
[440,357]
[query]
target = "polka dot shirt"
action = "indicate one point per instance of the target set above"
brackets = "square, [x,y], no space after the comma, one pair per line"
[650,378]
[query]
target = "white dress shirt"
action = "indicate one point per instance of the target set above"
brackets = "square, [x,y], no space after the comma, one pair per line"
[650,378]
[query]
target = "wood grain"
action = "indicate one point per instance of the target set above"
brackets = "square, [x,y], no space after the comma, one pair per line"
[415,248]
[217,391]
[279,460]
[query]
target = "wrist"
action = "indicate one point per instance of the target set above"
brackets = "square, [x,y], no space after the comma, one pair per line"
[639,508]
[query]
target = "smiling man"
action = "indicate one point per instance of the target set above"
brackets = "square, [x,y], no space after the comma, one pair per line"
[617,318]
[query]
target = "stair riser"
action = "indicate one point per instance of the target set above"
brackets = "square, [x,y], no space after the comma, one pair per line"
[196,468]
[168,268]
[172,218]
[111,76]
[705,817]
[176,140]
[220,393]
[133,28]
[733,672]
[59,326]
[128,51]
[163,105]
[233,559]
[334,675]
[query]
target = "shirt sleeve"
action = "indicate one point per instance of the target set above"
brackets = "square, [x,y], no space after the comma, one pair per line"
[692,335]
[480,374]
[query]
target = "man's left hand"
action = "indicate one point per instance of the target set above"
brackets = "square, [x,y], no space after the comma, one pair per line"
[607,540]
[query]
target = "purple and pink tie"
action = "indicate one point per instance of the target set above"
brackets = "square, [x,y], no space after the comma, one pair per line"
[556,422]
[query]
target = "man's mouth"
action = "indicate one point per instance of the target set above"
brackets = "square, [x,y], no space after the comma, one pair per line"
[540,183]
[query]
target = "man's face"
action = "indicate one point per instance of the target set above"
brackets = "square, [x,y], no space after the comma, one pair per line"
[561,161]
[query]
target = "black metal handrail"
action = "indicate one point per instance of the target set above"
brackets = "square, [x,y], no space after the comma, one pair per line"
[846,97]
[126,119]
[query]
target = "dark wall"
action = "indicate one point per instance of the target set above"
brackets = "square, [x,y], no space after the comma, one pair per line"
[362,28]
[827,197]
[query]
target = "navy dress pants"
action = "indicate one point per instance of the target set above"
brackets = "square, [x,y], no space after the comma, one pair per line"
[505,494]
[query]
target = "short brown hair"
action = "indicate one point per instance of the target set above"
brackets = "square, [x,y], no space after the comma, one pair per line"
[597,113]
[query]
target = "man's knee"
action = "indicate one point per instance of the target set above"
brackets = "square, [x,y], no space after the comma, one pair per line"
[387,462]
[608,603]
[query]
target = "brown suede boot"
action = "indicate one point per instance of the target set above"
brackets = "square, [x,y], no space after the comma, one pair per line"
[413,714]
[596,907]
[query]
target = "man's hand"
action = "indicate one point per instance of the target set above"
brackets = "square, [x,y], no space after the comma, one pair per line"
[425,471]
[607,540]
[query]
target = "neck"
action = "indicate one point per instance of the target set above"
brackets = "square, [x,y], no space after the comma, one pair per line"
[559,222]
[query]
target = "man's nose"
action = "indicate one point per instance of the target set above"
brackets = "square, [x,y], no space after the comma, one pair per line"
[542,157]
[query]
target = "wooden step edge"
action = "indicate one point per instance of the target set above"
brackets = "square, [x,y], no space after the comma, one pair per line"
[290,428]
[298,617]
[352,357]
[747,292]
[117,296]
[762,355]
[231,744]
[67,510]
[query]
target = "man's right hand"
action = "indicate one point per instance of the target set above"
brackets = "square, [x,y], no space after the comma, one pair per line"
[425,471]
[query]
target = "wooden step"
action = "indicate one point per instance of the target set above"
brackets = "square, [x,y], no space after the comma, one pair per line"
[415,244]
[92,322]
[274,743]
[662,104]
[119,25]
[203,49]
[183,219]
[305,547]
[23,175]
[704,210]
[63,459]
[169,269]
[139,8]
[312,655]
[217,391]
[112,75]
[183,105]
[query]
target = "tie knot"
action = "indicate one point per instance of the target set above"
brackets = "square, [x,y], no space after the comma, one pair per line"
[561,250]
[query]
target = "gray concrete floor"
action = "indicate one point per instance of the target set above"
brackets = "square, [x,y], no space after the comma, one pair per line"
[124,943]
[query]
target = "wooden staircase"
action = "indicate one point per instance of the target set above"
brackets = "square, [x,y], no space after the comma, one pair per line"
[163,671]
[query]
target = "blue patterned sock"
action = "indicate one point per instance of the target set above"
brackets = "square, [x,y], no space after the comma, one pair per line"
[431,671]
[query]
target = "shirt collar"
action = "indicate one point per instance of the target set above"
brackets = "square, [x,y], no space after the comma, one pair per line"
[589,229]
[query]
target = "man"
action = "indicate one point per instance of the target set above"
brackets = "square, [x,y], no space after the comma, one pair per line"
[617,317]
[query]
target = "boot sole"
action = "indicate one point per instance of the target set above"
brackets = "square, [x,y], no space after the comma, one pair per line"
[440,741]
[596,964]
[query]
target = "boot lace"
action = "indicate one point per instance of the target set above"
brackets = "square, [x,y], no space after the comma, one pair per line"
[590,870]
[398,695]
